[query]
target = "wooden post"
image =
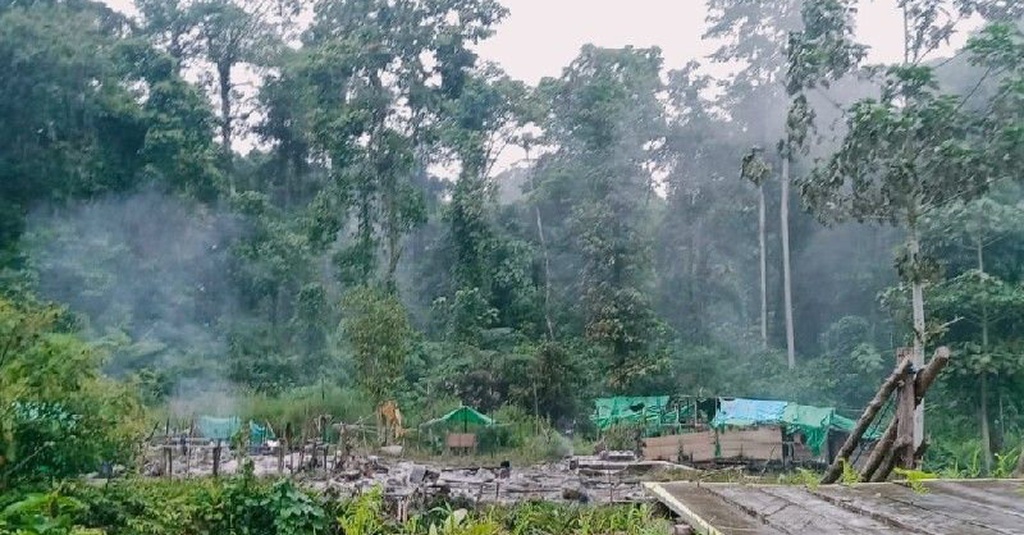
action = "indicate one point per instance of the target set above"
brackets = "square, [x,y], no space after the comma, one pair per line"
[216,459]
[169,456]
[280,457]
[905,415]
[836,468]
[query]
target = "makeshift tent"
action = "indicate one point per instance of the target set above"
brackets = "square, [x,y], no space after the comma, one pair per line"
[218,428]
[813,422]
[260,434]
[463,415]
[649,411]
[747,412]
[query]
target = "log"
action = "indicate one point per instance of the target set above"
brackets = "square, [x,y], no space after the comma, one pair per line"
[927,376]
[878,453]
[892,457]
[836,468]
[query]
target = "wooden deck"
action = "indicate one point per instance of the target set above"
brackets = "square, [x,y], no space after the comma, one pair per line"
[975,507]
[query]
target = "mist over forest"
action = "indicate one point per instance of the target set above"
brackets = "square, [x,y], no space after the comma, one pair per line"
[776,234]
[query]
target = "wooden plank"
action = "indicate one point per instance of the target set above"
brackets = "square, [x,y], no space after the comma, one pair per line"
[763,443]
[949,506]
[793,510]
[696,447]
[910,518]
[1006,496]
[705,512]
[832,513]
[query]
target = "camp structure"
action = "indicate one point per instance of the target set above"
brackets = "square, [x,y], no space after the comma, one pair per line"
[224,429]
[462,417]
[652,414]
[740,429]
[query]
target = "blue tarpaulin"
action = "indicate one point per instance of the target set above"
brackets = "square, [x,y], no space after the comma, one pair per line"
[745,412]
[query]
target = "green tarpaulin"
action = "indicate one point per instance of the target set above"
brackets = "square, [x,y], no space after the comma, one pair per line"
[218,428]
[812,422]
[629,410]
[464,416]
[259,434]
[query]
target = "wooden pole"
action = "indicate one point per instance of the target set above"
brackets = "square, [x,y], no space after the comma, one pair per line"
[905,425]
[836,468]
[169,455]
[216,459]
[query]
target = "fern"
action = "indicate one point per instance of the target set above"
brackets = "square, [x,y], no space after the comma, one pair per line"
[915,478]
[850,474]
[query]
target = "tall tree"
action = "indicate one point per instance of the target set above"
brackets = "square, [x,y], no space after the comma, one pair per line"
[234,33]
[821,52]
[756,171]
[991,304]
[605,119]
[906,153]
[375,106]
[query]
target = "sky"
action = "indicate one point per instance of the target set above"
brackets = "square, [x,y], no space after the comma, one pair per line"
[540,37]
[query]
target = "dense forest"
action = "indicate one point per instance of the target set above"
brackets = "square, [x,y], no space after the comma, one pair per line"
[211,198]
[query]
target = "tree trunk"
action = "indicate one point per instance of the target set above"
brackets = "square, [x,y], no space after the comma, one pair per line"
[786,278]
[764,267]
[224,83]
[544,251]
[547,274]
[986,434]
[917,301]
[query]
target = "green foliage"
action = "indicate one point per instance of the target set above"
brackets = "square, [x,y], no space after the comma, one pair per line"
[915,478]
[378,331]
[58,416]
[850,475]
[247,506]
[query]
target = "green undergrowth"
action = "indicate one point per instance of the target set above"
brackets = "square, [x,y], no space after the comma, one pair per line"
[248,506]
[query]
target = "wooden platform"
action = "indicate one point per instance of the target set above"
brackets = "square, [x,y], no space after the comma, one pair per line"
[962,507]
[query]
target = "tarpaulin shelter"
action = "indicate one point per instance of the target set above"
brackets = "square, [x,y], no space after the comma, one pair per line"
[814,423]
[214,428]
[260,433]
[463,415]
[649,411]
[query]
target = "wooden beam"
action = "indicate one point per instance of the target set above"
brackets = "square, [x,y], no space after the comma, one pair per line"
[878,453]
[836,469]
